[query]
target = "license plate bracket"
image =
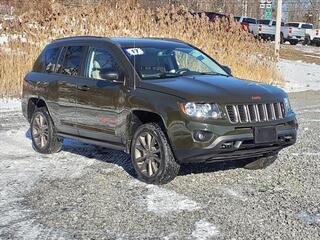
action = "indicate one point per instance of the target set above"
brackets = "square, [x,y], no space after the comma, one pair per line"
[265,135]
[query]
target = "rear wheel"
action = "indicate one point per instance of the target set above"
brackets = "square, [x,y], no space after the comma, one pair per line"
[281,38]
[152,156]
[262,162]
[43,133]
[293,42]
[307,41]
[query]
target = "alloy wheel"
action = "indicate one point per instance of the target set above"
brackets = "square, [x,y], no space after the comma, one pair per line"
[147,154]
[40,131]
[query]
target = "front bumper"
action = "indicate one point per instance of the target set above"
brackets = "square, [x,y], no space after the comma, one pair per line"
[233,144]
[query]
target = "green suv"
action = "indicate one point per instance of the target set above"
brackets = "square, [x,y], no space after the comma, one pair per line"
[163,101]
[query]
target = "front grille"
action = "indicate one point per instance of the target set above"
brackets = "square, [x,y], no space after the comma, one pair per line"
[245,113]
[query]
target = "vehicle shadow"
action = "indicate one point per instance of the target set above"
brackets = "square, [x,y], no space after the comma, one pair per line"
[123,160]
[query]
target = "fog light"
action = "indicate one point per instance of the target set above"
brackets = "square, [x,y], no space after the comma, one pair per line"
[202,136]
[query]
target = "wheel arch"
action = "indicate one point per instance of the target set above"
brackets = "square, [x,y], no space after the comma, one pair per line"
[147,116]
[33,104]
[139,117]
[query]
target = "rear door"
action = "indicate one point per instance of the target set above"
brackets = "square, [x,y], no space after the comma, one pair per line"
[69,69]
[98,99]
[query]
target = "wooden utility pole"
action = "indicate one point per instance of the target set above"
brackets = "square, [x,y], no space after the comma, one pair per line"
[278,29]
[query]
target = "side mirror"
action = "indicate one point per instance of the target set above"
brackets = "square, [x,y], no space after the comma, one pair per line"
[227,69]
[115,77]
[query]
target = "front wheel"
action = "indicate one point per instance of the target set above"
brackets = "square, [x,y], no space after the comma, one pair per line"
[152,156]
[43,133]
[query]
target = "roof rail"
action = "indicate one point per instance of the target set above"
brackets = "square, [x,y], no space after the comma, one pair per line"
[167,39]
[80,37]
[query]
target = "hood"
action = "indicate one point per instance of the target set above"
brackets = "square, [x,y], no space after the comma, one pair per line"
[219,89]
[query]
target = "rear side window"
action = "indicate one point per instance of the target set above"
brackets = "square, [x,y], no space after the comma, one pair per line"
[264,22]
[249,20]
[296,25]
[307,26]
[274,23]
[46,63]
[71,63]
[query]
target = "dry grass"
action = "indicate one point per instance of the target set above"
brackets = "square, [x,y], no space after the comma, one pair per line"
[249,58]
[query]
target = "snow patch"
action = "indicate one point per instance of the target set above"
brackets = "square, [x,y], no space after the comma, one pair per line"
[204,230]
[299,76]
[20,168]
[309,111]
[6,38]
[309,218]
[162,201]
[308,120]
[9,105]
[310,154]
[235,194]
[308,55]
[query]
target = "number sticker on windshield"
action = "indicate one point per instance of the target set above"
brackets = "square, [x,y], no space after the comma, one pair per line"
[135,51]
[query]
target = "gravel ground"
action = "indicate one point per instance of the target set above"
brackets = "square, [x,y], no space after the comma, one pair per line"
[85,192]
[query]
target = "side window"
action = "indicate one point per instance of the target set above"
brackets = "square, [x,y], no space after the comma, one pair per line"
[47,61]
[72,61]
[100,62]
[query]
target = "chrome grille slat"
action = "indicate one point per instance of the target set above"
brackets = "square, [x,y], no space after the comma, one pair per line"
[245,113]
[273,112]
[266,112]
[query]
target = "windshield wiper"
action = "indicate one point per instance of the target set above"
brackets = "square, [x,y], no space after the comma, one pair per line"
[214,74]
[168,75]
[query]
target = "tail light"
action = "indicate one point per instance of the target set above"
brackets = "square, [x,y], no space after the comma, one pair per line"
[260,28]
[245,26]
[317,32]
[290,30]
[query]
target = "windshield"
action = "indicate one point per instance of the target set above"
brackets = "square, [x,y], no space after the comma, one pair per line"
[157,62]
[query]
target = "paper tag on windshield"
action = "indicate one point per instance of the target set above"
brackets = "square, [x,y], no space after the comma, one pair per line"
[135,51]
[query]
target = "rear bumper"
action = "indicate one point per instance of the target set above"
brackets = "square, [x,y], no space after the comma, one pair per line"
[235,147]
[316,40]
[295,38]
[266,36]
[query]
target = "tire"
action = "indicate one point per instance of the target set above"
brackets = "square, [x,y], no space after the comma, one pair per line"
[262,162]
[293,42]
[281,38]
[307,41]
[152,156]
[43,133]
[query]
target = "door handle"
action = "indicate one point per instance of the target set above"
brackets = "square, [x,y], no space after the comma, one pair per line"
[83,88]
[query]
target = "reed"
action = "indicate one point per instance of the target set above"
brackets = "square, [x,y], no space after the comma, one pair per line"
[31,30]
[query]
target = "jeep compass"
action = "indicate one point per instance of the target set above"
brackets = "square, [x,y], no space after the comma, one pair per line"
[163,101]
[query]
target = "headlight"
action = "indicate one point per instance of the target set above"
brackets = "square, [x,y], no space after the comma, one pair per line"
[201,110]
[287,105]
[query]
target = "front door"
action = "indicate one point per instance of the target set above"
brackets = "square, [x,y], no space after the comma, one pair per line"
[97,98]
